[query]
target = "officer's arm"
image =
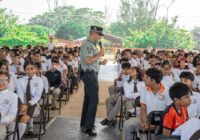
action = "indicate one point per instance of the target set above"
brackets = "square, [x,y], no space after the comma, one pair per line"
[90,60]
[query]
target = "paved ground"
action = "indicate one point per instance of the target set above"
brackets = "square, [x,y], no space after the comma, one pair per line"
[66,126]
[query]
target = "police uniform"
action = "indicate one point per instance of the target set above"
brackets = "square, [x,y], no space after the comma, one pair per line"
[90,79]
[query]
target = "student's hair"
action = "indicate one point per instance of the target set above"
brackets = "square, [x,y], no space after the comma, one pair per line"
[178,90]
[37,65]
[128,50]
[139,74]
[123,60]
[165,62]
[2,72]
[155,74]
[26,63]
[126,65]
[54,60]
[187,75]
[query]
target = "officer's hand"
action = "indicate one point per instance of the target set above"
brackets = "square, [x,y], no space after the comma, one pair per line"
[104,62]
[101,52]
[23,108]
[144,126]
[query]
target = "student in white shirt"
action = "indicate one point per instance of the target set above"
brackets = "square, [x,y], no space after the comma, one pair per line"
[113,103]
[196,82]
[8,104]
[29,90]
[194,108]
[169,78]
[154,97]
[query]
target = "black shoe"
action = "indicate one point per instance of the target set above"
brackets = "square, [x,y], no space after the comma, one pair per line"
[30,131]
[53,108]
[90,132]
[104,122]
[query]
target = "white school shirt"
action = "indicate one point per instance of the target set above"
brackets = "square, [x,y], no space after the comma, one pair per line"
[157,102]
[45,83]
[129,89]
[8,106]
[196,82]
[194,108]
[168,81]
[124,79]
[133,62]
[178,71]
[36,85]
[13,69]
[12,86]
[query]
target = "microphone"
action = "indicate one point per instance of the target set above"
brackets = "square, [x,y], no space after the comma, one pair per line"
[100,45]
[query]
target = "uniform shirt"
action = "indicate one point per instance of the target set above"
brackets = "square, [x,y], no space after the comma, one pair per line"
[196,82]
[155,102]
[45,83]
[36,85]
[168,81]
[13,69]
[54,78]
[89,49]
[194,108]
[13,82]
[129,89]
[133,62]
[124,79]
[8,106]
[178,71]
[172,119]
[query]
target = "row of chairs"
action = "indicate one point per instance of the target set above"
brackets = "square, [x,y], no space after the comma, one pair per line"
[44,115]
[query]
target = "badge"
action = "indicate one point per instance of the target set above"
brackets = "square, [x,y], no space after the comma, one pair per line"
[161,97]
[89,49]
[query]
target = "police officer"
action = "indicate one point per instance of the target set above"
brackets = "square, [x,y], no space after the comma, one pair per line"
[90,64]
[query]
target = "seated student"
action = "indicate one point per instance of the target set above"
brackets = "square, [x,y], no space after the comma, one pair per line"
[154,97]
[169,78]
[123,76]
[8,104]
[196,82]
[175,119]
[12,86]
[132,89]
[194,108]
[46,88]
[29,90]
[55,80]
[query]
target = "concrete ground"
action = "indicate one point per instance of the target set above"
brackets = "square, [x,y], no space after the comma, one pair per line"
[66,125]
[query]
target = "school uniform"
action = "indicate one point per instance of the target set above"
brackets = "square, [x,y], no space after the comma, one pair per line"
[13,82]
[194,108]
[36,88]
[179,123]
[169,80]
[153,102]
[133,62]
[196,82]
[8,106]
[179,71]
[13,68]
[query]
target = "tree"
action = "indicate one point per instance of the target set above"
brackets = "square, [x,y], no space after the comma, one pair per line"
[196,35]
[61,19]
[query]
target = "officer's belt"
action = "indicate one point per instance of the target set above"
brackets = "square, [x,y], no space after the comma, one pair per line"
[91,72]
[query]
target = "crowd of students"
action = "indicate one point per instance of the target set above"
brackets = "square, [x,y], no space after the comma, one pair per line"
[26,74]
[166,81]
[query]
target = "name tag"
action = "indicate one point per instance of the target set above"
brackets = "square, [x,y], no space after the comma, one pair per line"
[161,97]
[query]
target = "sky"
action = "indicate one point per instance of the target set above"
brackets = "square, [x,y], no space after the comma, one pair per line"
[188,11]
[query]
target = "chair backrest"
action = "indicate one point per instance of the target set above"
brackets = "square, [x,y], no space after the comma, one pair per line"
[137,102]
[155,117]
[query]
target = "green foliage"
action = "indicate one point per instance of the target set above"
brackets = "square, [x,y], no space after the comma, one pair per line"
[68,22]
[160,35]
[13,34]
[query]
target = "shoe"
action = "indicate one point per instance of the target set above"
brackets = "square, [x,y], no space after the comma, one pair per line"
[104,122]
[30,131]
[90,132]
[53,108]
